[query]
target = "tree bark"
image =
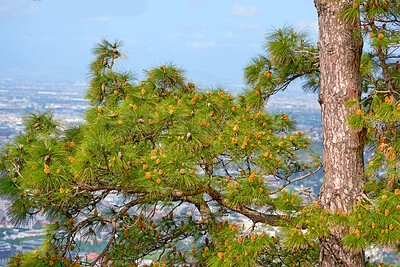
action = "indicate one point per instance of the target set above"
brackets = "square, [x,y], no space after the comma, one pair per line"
[340,48]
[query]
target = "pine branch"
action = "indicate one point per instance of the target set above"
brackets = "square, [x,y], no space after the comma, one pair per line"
[255,216]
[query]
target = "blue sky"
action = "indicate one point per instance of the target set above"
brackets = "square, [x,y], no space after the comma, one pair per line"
[51,40]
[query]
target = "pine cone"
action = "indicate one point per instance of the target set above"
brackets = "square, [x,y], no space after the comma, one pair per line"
[188,136]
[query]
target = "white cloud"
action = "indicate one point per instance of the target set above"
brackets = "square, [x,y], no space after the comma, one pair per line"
[228,34]
[311,27]
[186,25]
[16,8]
[197,35]
[247,26]
[244,11]
[174,36]
[200,45]
[98,19]
[190,25]
[150,49]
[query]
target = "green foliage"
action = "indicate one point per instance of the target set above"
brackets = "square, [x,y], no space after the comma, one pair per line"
[290,55]
[179,159]
[157,145]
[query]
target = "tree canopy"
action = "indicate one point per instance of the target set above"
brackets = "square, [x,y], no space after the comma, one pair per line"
[156,145]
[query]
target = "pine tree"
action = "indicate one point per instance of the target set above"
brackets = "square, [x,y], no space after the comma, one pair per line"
[339,72]
[182,162]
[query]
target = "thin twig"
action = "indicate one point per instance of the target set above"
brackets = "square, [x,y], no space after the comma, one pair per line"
[297,179]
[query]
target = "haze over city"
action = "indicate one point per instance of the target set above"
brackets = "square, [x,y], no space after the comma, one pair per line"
[51,41]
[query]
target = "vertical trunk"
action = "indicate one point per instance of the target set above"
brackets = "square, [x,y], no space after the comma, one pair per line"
[340,52]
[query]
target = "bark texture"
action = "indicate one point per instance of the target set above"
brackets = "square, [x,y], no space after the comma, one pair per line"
[340,52]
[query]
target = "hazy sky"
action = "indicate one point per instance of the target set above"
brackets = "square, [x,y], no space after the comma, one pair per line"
[51,40]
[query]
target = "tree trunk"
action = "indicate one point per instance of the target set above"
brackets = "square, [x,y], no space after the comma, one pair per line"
[340,48]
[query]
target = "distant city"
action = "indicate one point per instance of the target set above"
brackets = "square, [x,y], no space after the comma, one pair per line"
[17,98]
